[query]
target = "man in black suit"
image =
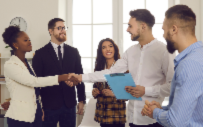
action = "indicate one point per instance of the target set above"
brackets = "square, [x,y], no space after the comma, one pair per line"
[55,58]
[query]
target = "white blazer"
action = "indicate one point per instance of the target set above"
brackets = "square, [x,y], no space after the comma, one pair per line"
[20,84]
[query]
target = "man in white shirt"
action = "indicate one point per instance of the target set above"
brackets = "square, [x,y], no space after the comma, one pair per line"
[149,63]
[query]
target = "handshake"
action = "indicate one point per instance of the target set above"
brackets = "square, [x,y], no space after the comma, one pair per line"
[70,79]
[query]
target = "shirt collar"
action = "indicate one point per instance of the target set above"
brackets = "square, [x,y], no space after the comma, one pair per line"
[56,46]
[185,52]
[149,44]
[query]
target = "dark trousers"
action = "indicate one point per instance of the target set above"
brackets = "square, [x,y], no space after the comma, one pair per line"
[37,122]
[112,125]
[65,116]
[150,125]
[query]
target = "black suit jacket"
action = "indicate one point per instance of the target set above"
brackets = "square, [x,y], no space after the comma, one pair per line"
[45,63]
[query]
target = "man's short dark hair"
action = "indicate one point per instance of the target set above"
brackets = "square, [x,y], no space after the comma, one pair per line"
[52,22]
[185,15]
[143,15]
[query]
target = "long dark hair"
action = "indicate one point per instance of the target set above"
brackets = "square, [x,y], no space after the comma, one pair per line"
[100,59]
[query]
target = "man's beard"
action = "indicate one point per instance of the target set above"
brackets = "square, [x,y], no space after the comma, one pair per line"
[170,44]
[60,39]
[137,36]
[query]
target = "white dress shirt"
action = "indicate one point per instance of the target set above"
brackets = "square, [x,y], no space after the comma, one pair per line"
[55,46]
[152,67]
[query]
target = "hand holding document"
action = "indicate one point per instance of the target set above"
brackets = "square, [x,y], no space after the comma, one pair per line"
[118,82]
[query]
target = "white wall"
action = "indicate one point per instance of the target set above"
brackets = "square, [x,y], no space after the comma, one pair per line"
[37,13]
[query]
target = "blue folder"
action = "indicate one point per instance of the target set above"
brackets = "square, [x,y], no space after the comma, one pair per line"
[117,83]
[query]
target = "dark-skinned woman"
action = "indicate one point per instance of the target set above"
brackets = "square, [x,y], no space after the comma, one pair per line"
[22,83]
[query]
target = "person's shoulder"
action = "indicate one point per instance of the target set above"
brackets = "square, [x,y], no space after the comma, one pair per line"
[12,62]
[9,61]
[42,49]
[70,48]
[191,63]
[161,48]
[133,47]
[195,56]
[160,44]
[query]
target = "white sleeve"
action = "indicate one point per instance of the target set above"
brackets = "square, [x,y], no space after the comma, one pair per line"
[17,73]
[163,90]
[120,66]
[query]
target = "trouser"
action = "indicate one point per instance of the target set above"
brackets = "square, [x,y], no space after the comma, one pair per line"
[65,116]
[150,125]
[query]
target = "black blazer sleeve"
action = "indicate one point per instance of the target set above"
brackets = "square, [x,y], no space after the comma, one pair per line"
[80,87]
[37,64]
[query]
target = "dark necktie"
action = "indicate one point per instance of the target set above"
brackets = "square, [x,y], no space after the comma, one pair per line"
[60,55]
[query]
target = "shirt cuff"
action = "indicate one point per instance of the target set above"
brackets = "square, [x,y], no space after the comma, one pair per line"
[85,78]
[155,113]
[148,91]
[57,79]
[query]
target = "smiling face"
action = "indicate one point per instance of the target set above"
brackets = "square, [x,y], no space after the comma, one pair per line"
[108,50]
[57,33]
[23,43]
[133,29]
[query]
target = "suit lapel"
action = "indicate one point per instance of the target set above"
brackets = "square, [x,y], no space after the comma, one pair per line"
[54,57]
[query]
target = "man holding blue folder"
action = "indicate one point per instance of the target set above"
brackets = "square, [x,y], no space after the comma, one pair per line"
[149,63]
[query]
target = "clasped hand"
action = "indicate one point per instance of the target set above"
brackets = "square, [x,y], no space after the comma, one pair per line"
[105,92]
[73,79]
[149,108]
